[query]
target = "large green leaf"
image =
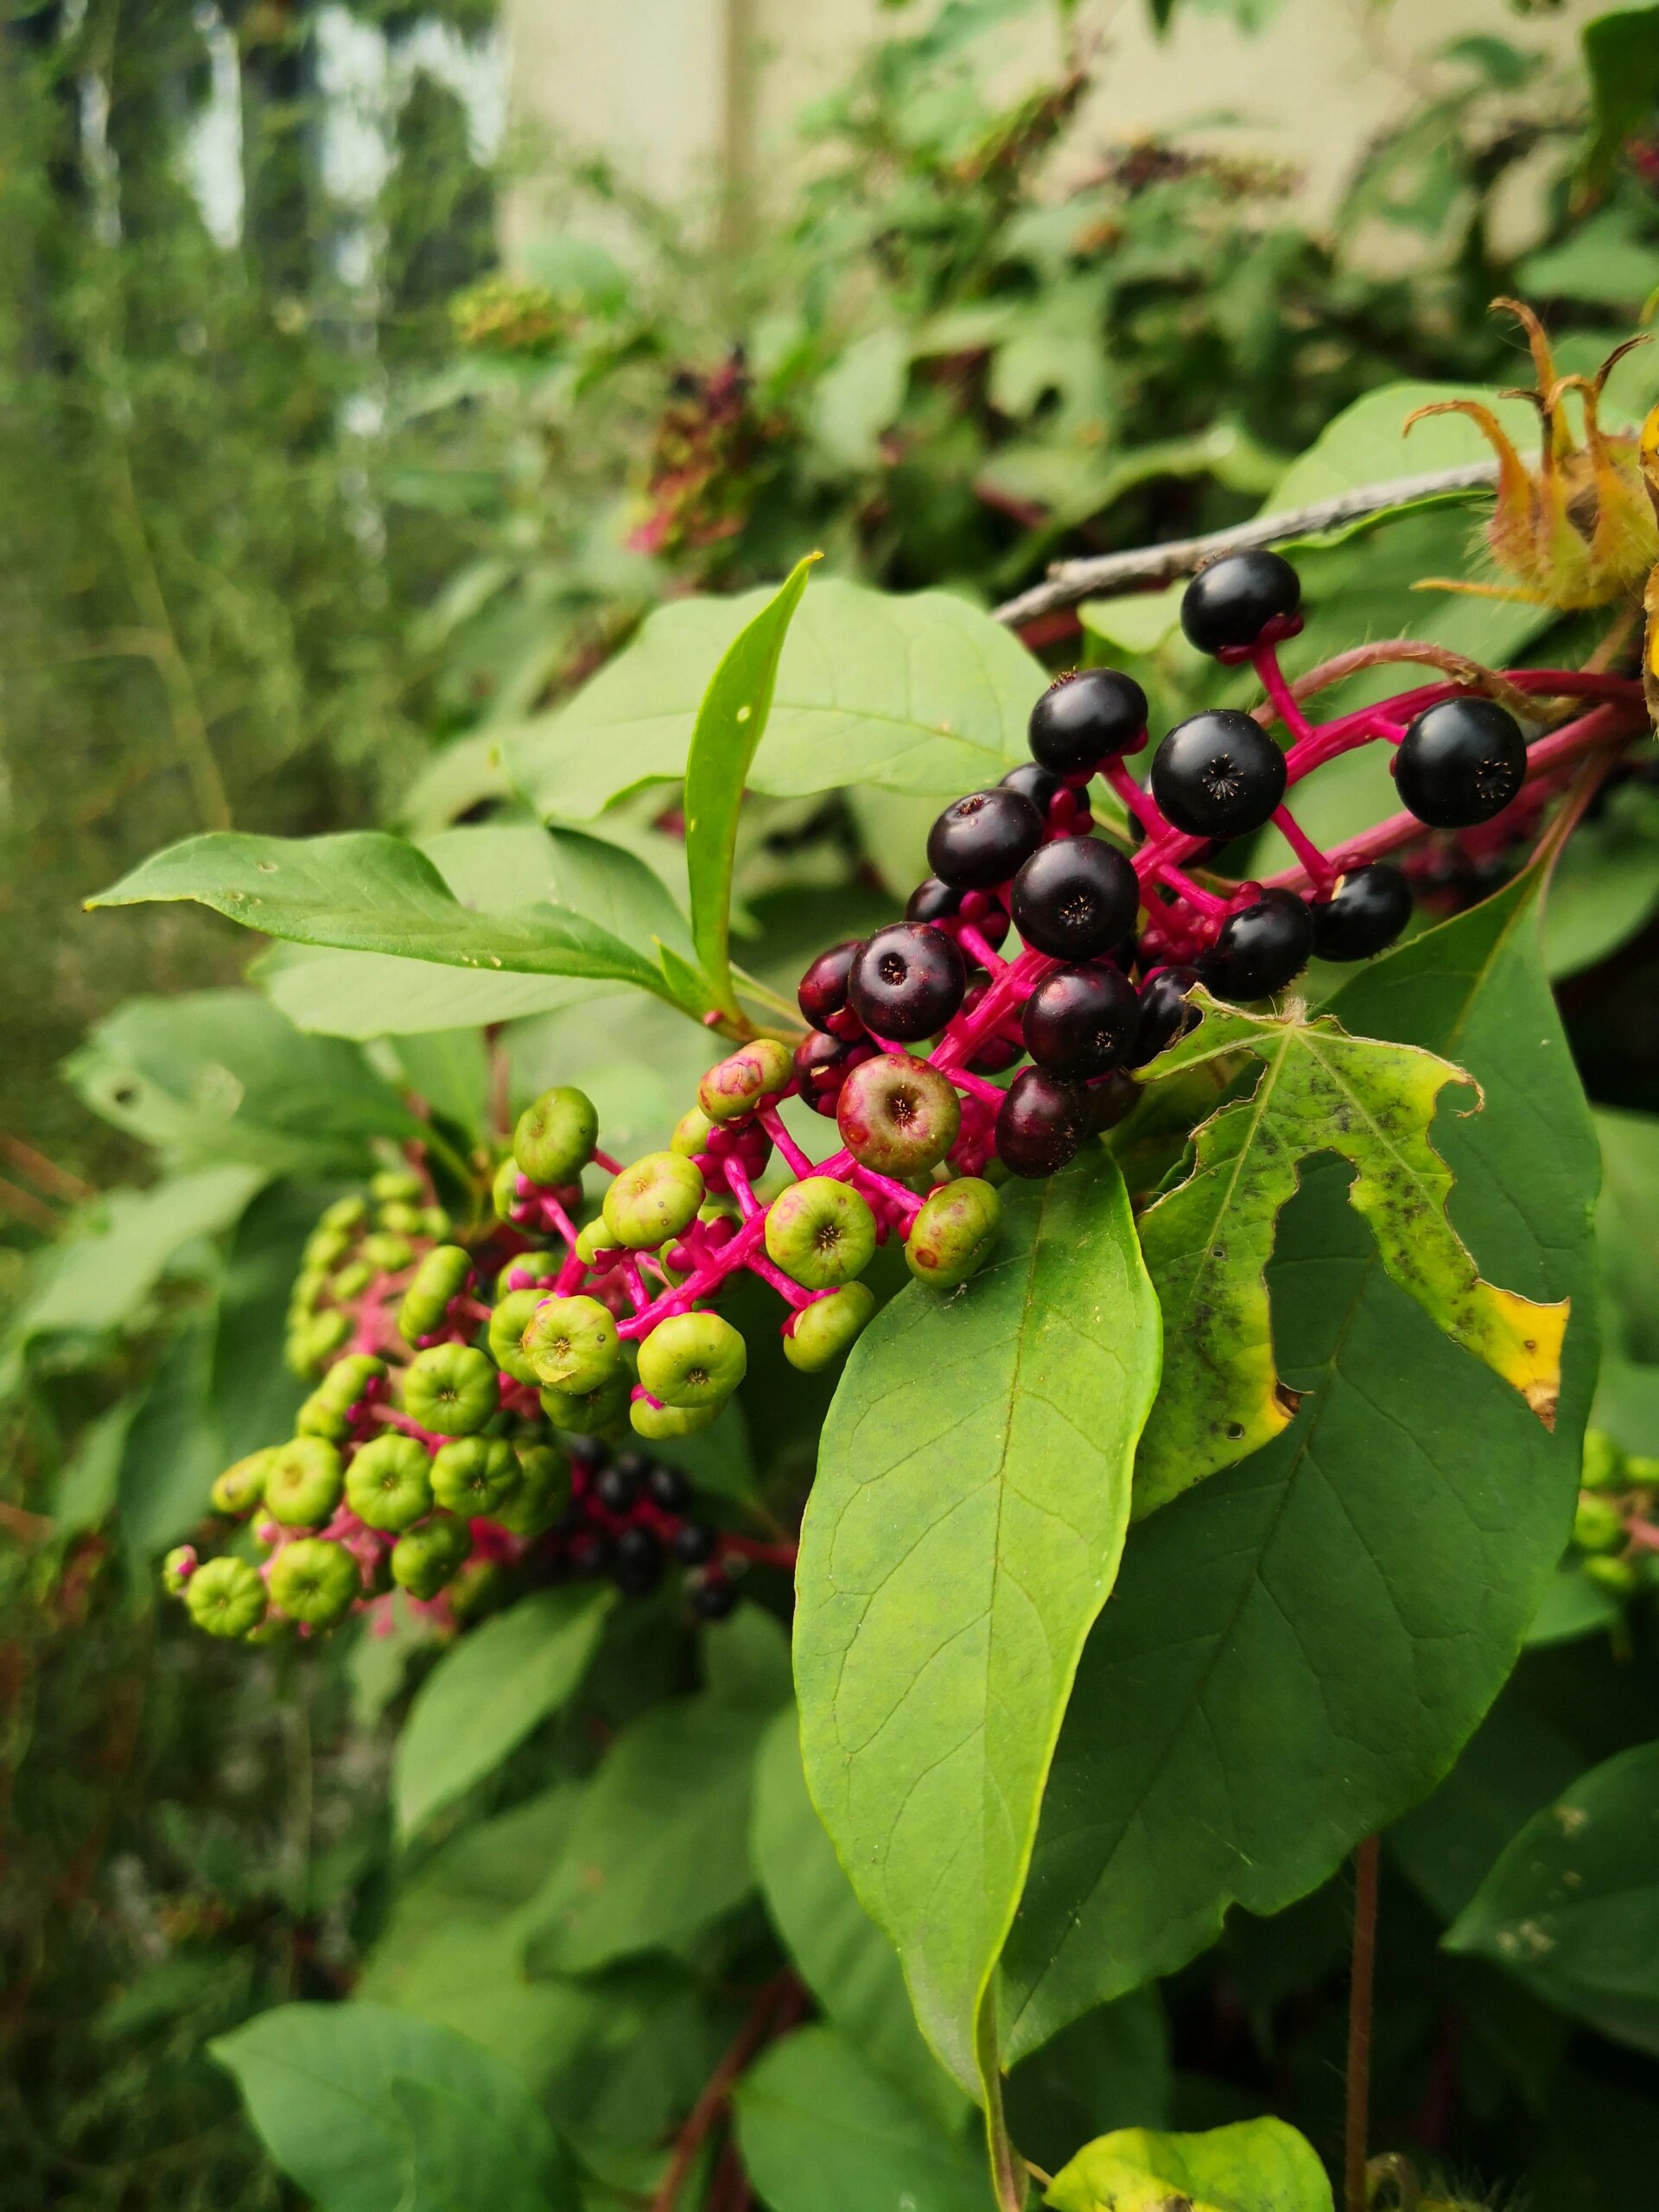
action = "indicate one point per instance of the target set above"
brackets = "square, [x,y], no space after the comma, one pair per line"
[1256,2165]
[1297,1650]
[174,1447]
[374,2111]
[1208,1240]
[487,1693]
[1621,58]
[731,723]
[821,2131]
[1572,1907]
[100,1276]
[917,693]
[963,1533]
[1368,443]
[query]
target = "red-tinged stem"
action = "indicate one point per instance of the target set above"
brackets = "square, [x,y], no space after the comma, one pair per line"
[790,1292]
[628,1268]
[392,1419]
[1207,902]
[1318,869]
[742,1190]
[1140,803]
[1265,661]
[772,1123]
[603,1159]
[975,945]
[978,1086]
[763,1555]
[776,2009]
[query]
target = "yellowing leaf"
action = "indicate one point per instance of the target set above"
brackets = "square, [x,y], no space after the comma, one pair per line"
[1257,2165]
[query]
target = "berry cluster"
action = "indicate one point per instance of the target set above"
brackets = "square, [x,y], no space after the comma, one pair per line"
[1616,1528]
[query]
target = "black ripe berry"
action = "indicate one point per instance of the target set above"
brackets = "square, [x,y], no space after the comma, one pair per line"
[1218,774]
[710,1597]
[906,982]
[1080,1022]
[1365,914]
[1228,605]
[667,1487]
[980,839]
[694,1543]
[1086,718]
[1043,1123]
[1165,1013]
[932,901]
[617,1487]
[1039,785]
[636,1562]
[822,1064]
[822,992]
[1260,948]
[1460,762]
[1110,1099]
[1075,899]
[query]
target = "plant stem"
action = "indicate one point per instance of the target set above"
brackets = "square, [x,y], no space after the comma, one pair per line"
[776,2008]
[1361,1989]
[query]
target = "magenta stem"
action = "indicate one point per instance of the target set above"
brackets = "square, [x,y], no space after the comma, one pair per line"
[1140,803]
[1319,871]
[772,1122]
[790,1292]
[1207,902]
[973,944]
[1265,661]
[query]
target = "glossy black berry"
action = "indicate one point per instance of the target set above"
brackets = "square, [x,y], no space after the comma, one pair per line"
[906,982]
[933,901]
[1165,1013]
[1110,1099]
[1080,1022]
[821,1062]
[1228,605]
[979,841]
[822,992]
[711,1597]
[1039,785]
[667,1487]
[1460,762]
[693,1544]
[1261,949]
[617,1487]
[636,1562]
[1086,718]
[1365,914]
[1218,774]
[1075,899]
[1043,1123]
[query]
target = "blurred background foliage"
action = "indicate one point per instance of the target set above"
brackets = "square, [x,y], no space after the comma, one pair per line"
[305,507]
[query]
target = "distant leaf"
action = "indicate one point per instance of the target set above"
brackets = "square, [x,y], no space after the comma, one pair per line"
[173,1448]
[1605,884]
[1572,1907]
[88,1481]
[859,396]
[1368,443]
[1621,58]
[1207,1241]
[1257,2165]
[961,1534]
[122,1244]
[1111,2069]
[254,1396]
[1627,1229]
[487,1693]
[730,724]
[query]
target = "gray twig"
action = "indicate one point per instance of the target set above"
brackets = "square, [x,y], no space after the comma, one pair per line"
[1068,581]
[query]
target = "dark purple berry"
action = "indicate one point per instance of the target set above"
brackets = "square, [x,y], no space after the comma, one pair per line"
[636,1562]
[906,982]
[1364,913]
[710,1597]
[980,840]
[1075,899]
[821,1062]
[1460,762]
[822,992]
[1228,604]
[1218,774]
[1260,948]
[1085,719]
[1080,1022]
[932,901]
[667,1487]
[617,1487]
[1039,785]
[1165,1013]
[589,1554]
[693,1544]
[1043,1123]
[1110,1099]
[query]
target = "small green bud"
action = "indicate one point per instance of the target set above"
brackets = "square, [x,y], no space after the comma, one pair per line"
[657,1198]
[345,1215]
[474,1475]
[316,1581]
[825,1329]
[820,1232]
[691,1133]
[317,1417]
[508,1322]
[541,1493]
[386,1254]
[389,1483]
[1616,1576]
[953,1234]
[403,1220]
[177,1568]
[327,1248]
[423,1559]
[744,1079]
[316,1342]
[503,1189]
[693,1359]
[439,1277]
[654,1423]
[555,1137]
[242,1485]
[227,1597]
[393,1184]
[594,1240]
[308,1287]
[1604,1462]
[1642,1472]
[303,1482]
[572,1343]
[588,1413]
[351,1282]
[348,1378]
[1598,1525]
[451,1389]
[435,1223]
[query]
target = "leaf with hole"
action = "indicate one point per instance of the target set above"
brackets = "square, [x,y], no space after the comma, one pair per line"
[1256,2165]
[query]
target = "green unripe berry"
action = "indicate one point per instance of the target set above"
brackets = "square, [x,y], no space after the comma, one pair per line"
[435,1223]
[309,1286]
[744,1079]
[656,1422]
[316,1417]
[316,1342]
[451,1389]
[594,1240]
[227,1597]
[897,1116]
[315,1581]
[953,1234]
[691,1133]
[655,1199]
[423,1559]
[820,1232]
[402,1219]
[347,1215]
[503,1189]
[1616,1576]
[242,1486]
[393,1184]
[474,1475]
[555,1137]
[1642,1472]
[351,1282]
[540,1494]
[1604,1462]
[572,1345]
[1598,1525]
[387,1254]
[177,1568]
[348,1378]
[693,1359]
[824,1329]
[389,1483]
[508,1322]
[303,1482]
[439,1277]
[327,1248]
[588,1413]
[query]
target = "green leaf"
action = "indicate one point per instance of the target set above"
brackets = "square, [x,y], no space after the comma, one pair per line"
[334,2091]
[1208,1240]
[486,1694]
[100,1277]
[1621,59]
[731,723]
[821,2131]
[1627,1229]
[1368,443]
[1257,2165]
[1298,1648]
[1572,1907]
[918,693]
[1111,2069]
[255,1397]
[962,1534]
[859,396]
[173,1448]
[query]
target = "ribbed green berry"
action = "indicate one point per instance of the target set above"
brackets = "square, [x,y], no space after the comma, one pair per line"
[317,1417]
[387,1254]
[242,1485]
[316,1581]
[953,1234]
[744,1079]
[594,1240]
[820,1232]
[503,1189]
[572,1343]
[1598,1525]
[1604,1462]
[508,1324]
[588,1413]
[436,1223]
[555,1136]
[227,1597]
[656,1198]
[541,1494]
[693,1359]
[351,1281]
[824,1329]
[441,1276]
[303,1482]
[316,1342]
[474,1475]
[1616,1576]
[451,1389]
[423,1559]
[656,1422]
[347,1214]
[348,1378]
[389,1483]
[691,1133]
[177,1568]
[395,1184]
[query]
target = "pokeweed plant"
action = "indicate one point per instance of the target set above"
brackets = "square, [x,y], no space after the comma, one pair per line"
[1174,1524]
